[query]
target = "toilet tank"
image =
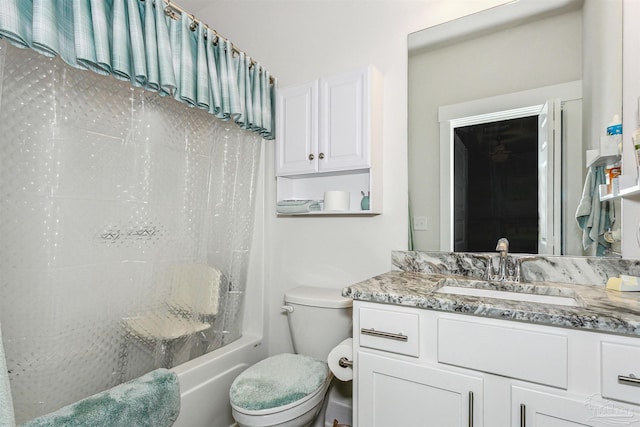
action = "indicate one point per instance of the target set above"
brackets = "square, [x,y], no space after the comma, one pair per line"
[319,319]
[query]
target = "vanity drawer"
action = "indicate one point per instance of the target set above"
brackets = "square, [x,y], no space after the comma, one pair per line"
[520,353]
[620,369]
[393,331]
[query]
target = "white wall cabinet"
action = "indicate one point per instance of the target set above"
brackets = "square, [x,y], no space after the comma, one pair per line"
[297,130]
[418,367]
[345,123]
[328,138]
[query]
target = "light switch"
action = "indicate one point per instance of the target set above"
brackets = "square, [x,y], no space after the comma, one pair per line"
[420,223]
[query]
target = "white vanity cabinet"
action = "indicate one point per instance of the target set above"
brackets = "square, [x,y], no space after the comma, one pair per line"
[402,393]
[416,367]
[328,137]
[534,408]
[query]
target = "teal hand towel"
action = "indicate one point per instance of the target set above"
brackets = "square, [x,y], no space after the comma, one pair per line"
[593,216]
[152,400]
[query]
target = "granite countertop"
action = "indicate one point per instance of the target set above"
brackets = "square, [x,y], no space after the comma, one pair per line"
[599,309]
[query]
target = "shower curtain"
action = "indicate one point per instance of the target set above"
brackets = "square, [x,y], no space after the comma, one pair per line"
[124,216]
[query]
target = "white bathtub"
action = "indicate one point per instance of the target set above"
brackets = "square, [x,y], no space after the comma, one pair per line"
[205,382]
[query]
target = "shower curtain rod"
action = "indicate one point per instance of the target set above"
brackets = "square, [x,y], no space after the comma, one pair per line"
[172,8]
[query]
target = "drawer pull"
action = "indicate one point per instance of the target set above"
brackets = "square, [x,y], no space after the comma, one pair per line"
[630,380]
[381,334]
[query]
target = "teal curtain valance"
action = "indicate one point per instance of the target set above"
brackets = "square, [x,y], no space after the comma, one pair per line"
[151,46]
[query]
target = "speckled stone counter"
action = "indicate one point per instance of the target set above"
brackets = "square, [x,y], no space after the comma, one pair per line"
[598,309]
[535,268]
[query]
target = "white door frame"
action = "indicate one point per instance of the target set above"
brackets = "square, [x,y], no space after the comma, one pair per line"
[502,107]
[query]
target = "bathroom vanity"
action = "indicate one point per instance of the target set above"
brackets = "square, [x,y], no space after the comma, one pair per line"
[434,345]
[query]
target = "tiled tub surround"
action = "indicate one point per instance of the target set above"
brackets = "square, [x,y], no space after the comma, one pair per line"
[417,277]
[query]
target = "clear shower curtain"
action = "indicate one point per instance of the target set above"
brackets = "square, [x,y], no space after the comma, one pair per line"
[151,45]
[126,221]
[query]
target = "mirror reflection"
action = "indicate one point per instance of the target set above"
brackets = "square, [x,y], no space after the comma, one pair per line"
[467,182]
[495,173]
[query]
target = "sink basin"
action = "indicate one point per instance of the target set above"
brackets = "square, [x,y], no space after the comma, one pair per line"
[478,289]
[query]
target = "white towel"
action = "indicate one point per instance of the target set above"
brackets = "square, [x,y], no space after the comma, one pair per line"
[7,418]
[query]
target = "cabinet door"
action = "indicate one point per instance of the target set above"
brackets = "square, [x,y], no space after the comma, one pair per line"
[345,121]
[398,393]
[531,408]
[297,130]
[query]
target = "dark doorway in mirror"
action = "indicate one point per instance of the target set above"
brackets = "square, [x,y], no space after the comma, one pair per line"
[496,185]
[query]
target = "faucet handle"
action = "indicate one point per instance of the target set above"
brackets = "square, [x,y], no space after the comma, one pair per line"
[517,275]
[489,272]
[503,245]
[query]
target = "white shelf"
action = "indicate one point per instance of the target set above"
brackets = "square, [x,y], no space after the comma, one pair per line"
[332,213]
[607,154]
[313,186]
[630,191]
[595,158]
[629,187]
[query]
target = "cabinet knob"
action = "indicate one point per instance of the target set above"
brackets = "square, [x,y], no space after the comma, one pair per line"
[321,156]
[311,156]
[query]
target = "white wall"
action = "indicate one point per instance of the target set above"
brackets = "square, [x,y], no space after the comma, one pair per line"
[630,122]
[602,74]
[537,54]
[302,40]
[602,71]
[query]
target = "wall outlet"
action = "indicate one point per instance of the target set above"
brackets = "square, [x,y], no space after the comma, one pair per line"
[420,223]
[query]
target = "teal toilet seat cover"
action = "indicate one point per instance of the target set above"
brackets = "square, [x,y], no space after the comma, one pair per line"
[278,381]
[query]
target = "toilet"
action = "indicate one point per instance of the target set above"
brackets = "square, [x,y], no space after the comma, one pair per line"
[288,390]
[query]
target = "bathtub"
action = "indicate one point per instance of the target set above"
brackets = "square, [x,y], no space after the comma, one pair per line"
[205,382]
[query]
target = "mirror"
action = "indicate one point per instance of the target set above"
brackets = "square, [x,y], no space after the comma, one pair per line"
[517,59]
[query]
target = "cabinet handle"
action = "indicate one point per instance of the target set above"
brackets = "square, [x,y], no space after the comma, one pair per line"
[523,415]
[470,409]
[630,380]
[311,156]
[321,156]
[381,334]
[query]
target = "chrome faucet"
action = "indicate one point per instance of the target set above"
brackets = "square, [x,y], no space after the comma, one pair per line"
[503,248]
[503,274]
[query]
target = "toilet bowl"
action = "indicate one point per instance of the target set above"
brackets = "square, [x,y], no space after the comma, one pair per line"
[288,390]
[282,390]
